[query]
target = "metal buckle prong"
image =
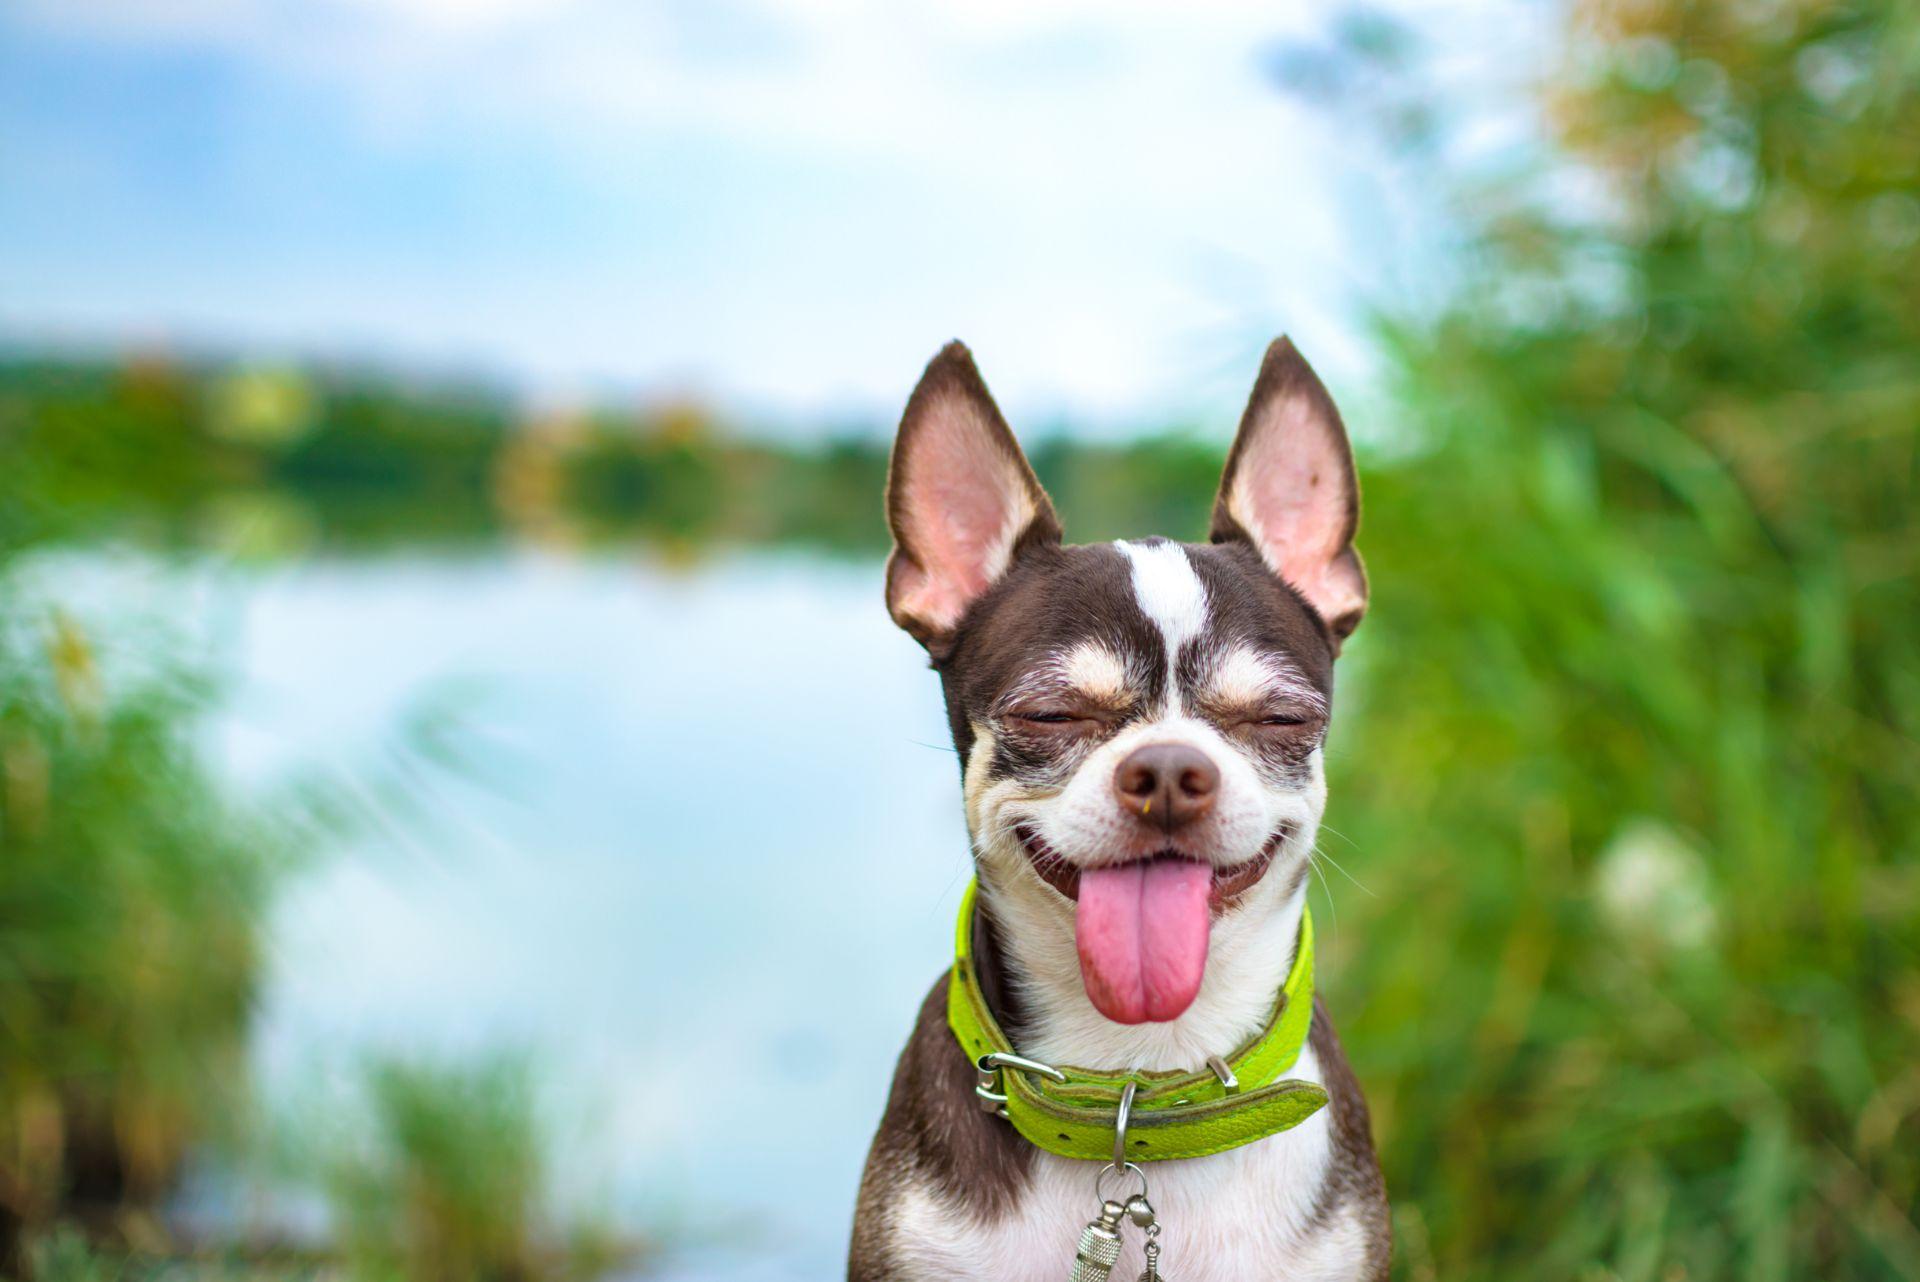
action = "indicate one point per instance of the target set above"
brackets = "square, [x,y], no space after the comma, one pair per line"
[1225,1074]
[989,1066]
[994,1060]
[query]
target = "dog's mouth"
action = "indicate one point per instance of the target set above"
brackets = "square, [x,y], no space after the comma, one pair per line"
[1142,927]
[1227,884]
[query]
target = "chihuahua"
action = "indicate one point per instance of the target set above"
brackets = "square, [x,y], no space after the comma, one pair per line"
[1139,727]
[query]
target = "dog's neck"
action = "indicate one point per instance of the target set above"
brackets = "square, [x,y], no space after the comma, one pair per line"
[1046,1006]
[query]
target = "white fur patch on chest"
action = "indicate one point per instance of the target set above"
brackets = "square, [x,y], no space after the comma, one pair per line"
[1245,1213]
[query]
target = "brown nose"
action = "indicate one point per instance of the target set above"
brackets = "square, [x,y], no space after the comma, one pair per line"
[1167,784]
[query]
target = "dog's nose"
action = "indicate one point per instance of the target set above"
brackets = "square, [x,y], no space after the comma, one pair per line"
[1168,784]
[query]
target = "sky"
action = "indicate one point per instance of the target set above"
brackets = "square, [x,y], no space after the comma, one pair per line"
[783,206]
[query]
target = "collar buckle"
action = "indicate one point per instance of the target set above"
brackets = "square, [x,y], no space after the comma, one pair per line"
[993,1097]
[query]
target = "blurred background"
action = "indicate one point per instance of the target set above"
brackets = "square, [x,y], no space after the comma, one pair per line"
[464,813]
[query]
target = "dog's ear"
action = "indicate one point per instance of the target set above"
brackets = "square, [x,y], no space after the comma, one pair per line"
[961,501]
[1289,490]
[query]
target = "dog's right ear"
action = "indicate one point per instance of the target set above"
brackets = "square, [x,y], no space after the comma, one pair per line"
[961,500]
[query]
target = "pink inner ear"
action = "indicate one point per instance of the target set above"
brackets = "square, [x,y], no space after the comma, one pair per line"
[963,504]
[1291,493]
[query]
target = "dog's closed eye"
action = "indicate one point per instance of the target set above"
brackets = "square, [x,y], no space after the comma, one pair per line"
[1287,722]
[1057,721]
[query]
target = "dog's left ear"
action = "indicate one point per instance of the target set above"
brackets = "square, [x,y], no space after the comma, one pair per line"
[961,500]
[1289,490]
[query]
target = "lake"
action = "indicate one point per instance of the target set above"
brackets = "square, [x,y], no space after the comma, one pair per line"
[703,873]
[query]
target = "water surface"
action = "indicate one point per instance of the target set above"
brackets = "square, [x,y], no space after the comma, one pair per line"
[706,878]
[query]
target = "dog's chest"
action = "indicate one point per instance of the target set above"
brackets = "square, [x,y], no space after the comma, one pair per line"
[1252,1212]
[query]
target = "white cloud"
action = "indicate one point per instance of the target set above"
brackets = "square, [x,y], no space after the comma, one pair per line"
[1061,174]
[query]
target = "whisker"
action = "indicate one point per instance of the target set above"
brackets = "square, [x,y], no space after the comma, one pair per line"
[952,881]
[1333,911]
[1327,827]
[1342,869]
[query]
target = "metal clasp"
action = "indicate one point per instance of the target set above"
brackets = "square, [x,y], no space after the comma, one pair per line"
[993,1099]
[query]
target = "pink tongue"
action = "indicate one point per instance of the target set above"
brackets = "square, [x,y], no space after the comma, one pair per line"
[1142,930]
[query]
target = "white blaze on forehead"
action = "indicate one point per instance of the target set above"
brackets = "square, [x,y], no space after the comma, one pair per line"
[1169,593]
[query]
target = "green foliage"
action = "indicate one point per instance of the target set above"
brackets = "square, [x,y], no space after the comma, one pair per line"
[66,1256]
[1631,752]
[245,460]
[131,892]
[84,448]
[449,1182]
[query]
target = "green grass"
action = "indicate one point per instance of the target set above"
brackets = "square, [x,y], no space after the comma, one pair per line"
[448,1181]
[65,1255]
[131,892]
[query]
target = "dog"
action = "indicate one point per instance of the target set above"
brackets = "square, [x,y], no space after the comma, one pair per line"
[1139,727]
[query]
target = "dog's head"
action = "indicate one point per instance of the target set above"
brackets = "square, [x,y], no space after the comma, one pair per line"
[1140,723]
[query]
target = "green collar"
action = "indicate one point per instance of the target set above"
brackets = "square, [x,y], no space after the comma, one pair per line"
[1076,1112]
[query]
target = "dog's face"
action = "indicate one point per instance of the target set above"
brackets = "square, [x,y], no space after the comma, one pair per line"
[1140,723]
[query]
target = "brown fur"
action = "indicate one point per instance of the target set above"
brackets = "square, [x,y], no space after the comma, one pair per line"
[934,1126]
[1353,1173]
